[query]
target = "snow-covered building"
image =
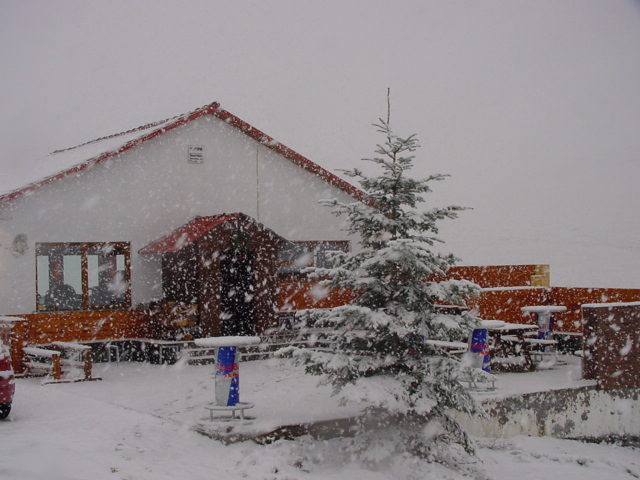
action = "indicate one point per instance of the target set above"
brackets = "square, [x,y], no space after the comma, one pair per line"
[189,218]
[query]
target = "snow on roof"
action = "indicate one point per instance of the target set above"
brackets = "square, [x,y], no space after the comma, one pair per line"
[524,287]
[231,341]
[72,160]
[111,143]
[611,305]
[543,308]
[12,319]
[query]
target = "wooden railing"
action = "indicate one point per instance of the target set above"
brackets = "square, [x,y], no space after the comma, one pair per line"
[46,328]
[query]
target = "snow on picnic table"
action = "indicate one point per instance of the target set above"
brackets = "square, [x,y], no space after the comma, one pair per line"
[136,424]
[549,376]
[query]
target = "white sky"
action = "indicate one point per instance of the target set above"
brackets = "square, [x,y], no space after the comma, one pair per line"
[533,107]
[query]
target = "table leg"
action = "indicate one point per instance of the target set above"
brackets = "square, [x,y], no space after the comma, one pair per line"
[526,353]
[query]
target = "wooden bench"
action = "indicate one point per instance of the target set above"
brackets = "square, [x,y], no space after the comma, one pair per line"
[104,350]
[161,351]
[76,355]
[538,349]
[194,355]
[477,379]
[59,358]
[42,361]
[569,342]
[240,406]
[542,342]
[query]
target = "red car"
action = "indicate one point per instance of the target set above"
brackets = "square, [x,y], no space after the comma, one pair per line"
[7,383]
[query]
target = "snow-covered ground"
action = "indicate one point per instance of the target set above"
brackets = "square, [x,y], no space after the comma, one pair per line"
[137,423]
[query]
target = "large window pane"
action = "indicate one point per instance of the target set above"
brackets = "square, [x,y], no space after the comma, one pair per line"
[72,271]
[325,253]
[92,267]
[75,276]
[107,281]
[295,256]
[65,283]
[42,272]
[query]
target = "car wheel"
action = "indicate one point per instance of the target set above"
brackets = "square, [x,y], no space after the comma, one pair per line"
[5,408]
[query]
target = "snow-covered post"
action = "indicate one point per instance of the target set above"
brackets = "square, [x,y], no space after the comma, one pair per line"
[544,317]
[479,349]
[227,378]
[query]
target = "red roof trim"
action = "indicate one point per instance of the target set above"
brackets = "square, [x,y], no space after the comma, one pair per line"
[104,156]
[186,234]
[196,228]
[224,115]
[288,153]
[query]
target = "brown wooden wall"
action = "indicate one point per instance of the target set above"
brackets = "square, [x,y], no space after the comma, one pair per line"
[493,303]
[264,248]
[209,292]
[574,298]
[502,275]
[612,345]
[504,303]
[300,295]
[43,328]
[266,255]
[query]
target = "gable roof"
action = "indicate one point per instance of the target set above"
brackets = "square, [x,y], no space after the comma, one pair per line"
[194,230]
[89,154]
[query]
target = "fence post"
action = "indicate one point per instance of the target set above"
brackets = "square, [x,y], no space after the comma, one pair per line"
[88,365]
[57,367]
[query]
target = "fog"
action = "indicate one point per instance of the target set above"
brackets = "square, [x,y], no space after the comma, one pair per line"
[532,107]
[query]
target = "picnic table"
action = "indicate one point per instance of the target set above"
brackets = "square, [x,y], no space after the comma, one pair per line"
[511,340]
[544,317]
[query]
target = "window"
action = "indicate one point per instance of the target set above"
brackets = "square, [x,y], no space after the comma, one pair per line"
[82,276]
[296,256]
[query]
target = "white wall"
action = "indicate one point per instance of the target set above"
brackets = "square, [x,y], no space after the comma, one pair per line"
[152,189]
[289,200]
[569,413]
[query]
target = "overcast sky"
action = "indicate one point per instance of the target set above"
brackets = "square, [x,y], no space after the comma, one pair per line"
[532,106]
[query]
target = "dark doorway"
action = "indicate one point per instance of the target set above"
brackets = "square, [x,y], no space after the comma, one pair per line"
[237,292]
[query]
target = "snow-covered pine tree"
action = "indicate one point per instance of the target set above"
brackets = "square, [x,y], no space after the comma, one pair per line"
[375,349]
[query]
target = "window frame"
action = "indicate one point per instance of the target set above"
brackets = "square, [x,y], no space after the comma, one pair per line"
[84,250]
[287,268]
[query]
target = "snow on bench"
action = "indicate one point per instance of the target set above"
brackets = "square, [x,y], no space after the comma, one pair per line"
[42,360]
[451,347]
[52,360]
[71,346]
[477,379]
[540,341]
[238,407]
[40,352]
[230,341]
[198,355]
[510,338]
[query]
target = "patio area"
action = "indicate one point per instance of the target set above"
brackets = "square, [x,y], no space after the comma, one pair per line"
[138,422]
